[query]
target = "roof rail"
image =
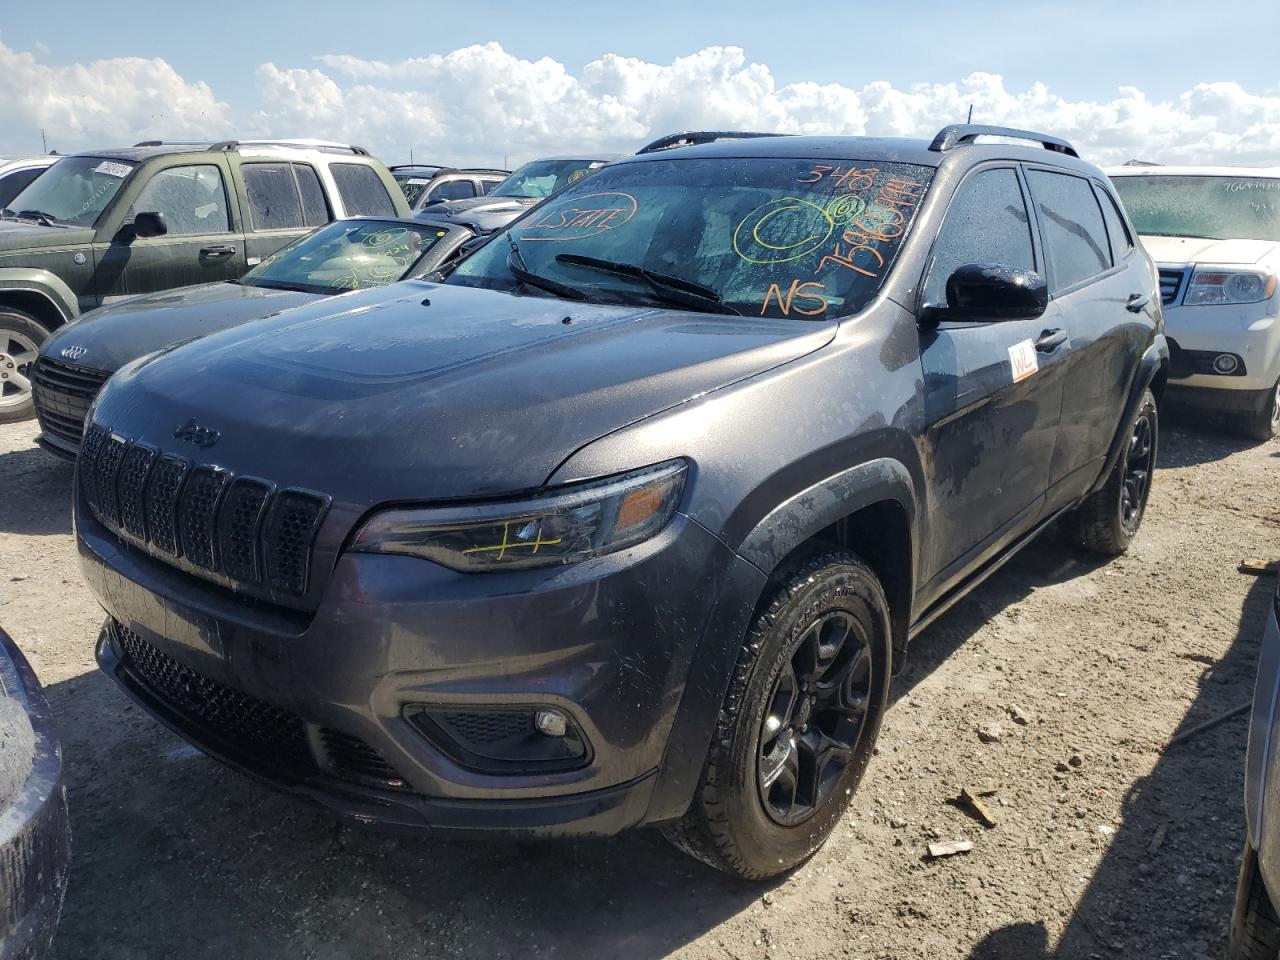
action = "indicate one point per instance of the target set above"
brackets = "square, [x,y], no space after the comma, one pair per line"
[966,133]
[693,137]
[437,171]
[305,144]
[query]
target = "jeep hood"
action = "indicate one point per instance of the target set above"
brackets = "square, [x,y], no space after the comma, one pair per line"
[479,393]
[109,337]
[1207,250]
[20,236]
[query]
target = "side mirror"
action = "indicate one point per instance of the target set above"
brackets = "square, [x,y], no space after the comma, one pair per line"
[994,292]
[150,224]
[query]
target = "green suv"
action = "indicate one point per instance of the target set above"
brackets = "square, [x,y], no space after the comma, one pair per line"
[101,226]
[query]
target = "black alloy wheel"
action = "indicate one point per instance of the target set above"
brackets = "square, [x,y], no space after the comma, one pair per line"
[816,716]
[1139,461]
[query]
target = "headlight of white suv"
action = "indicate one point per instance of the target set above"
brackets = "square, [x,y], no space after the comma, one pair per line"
[566,526]
[1228,285]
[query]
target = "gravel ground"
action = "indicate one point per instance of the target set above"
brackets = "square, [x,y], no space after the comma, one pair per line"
[1109,843]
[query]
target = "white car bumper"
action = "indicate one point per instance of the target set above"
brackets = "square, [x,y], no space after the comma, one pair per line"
[1201,333]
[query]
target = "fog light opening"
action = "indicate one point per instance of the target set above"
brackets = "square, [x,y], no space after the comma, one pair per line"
[1226,363]
[553,723]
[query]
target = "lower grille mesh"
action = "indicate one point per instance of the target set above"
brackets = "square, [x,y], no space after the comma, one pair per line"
[246,724]
[250,727]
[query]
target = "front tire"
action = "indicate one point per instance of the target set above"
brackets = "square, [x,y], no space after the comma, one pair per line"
[798,723]
[1107,521]
[20,338]
[1265,423]
[1255,928]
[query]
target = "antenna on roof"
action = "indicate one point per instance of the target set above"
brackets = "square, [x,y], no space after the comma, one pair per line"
[970,120]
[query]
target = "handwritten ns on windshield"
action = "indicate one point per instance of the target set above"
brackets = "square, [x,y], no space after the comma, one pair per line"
[587,216]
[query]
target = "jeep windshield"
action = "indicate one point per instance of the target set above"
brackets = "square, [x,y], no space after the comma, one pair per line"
[346,255]
[74,191]
[1216,208]
[542,178]
[805,239]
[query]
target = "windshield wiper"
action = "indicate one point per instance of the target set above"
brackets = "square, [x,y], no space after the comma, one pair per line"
[38,216]
[520,270]
[665,287]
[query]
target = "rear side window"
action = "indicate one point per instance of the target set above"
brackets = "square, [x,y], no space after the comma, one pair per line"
[986,223]
[192,199]
[362,191]
[283,196]
[273,196]
[1117,232]
[486,186]
[452,190]
[1071,223]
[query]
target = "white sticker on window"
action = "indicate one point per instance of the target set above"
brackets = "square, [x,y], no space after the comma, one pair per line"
[1022,360]
[112,169]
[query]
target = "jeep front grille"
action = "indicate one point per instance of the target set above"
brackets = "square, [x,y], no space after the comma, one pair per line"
[239,531]
[1171,283]
[63,393]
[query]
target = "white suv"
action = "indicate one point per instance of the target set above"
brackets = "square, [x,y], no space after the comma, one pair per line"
[1214,233]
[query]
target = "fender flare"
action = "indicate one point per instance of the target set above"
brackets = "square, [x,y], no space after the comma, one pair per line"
[1153,361]
[44,284]
[815,508]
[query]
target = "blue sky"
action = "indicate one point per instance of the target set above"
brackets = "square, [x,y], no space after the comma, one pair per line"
[481,81]
[1081,50]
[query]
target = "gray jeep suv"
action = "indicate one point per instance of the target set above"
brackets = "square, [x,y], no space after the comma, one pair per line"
[629,520]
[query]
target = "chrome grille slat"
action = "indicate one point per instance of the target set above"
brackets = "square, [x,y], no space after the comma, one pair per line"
[63,394]
[1171,283]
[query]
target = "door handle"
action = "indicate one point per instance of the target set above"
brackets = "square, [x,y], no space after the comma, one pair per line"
[1136,302]
[218,250]
[1050,340]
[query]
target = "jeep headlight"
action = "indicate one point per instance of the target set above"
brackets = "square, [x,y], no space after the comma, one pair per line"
[1227,285]
[567,525]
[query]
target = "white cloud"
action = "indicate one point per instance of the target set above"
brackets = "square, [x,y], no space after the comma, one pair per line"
[481,103]
[103,103]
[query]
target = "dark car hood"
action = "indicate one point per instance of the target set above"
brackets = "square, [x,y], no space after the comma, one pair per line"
[479,393]
[21,235]
[109,337]
[484,213]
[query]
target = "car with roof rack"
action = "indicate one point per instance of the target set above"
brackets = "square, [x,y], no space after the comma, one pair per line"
[1214,232]
[103,225]
[426,184]
[353,254]
[630,518]
[528,186]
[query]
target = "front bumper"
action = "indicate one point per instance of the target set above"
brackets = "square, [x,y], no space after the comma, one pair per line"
[608,642]
[1262,764]
[35,838]
[1249,331]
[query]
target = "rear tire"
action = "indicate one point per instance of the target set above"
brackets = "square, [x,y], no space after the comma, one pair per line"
[20,338]
[1255,928]
[1264,424]
[1107,521]
[798,723]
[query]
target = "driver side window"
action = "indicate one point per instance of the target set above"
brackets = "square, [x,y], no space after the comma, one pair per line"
[986,223]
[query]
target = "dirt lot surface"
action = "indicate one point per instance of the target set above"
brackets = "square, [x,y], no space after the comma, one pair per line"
[1109,843]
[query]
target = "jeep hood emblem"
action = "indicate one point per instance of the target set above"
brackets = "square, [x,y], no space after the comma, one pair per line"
[192,432]
[73,353]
